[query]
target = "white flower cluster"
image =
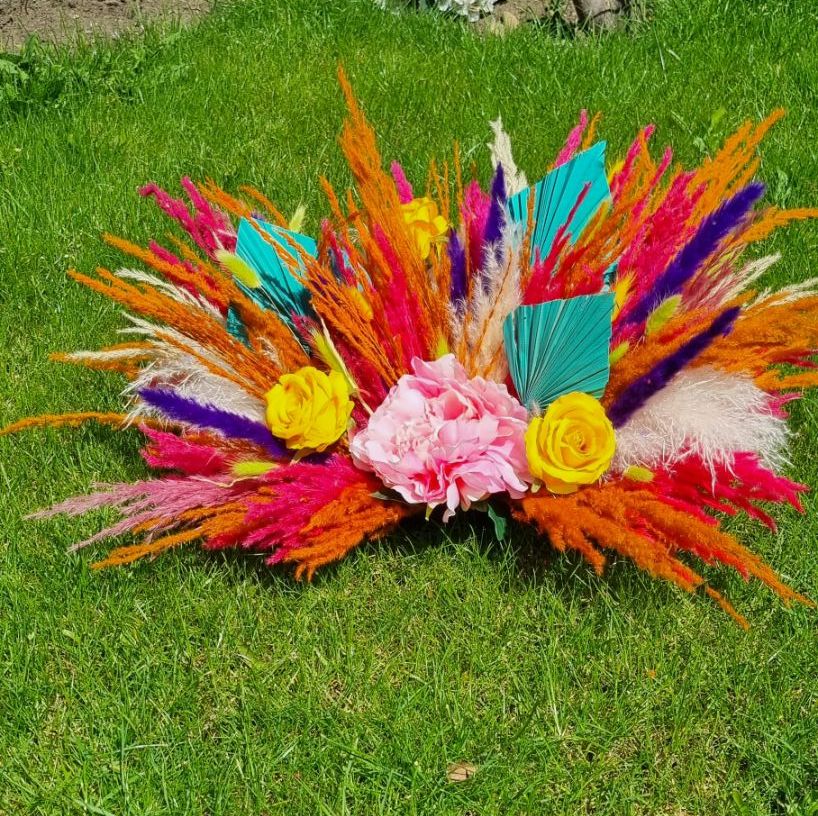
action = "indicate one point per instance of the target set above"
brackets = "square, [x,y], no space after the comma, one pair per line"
[473,9]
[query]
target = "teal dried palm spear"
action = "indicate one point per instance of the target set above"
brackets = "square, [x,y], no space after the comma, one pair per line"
[557,194]
[277,289]
[559,346]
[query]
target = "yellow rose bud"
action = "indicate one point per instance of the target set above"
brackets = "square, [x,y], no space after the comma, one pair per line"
[571,444]
[309,409]
[425,223]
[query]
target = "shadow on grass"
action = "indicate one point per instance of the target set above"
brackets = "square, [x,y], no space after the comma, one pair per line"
[525,559]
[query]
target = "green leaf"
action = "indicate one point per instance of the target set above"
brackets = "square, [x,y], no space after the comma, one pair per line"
[716,117]
[500,523]
[387,495]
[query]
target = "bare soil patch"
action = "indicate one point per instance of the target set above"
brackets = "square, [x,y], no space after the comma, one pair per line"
[67,20]
[604,15]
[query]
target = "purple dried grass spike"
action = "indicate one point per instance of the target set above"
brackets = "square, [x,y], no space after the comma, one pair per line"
[712,231]
[182,409]
[457,258]
[495,221]
[643,388]
[497,209]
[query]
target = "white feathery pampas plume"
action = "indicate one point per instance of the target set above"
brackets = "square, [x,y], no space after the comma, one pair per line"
[173,366]
[490,306]
[501,155]
[787,294]
[705,413]
[103,356]
[160,349]
[749,273]
[722,283]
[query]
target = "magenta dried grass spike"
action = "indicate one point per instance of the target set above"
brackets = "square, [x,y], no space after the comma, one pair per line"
[661,169]
[658,241]
[169,451]
[623,175]
[400,304]
[476,206]
[293,494]
[210,229]
[402,184]
[574,140]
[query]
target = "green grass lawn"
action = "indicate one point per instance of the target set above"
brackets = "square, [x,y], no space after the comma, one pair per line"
[211,685]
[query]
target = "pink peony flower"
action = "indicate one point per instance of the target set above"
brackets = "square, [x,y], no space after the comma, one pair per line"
[441,438]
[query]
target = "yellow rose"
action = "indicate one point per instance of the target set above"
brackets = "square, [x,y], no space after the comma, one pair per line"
[425,223]
[309,409]
[571,444]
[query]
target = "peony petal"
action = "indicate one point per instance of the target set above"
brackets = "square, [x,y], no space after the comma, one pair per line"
[440,437]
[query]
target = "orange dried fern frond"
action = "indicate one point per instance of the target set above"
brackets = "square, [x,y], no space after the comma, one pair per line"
[343,524]
[768,334]
[636,524]
[74,420]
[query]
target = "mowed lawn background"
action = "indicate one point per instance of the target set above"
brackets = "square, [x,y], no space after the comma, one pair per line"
[206,684]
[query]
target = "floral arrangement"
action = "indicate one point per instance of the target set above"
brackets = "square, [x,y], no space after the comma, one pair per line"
[585,355]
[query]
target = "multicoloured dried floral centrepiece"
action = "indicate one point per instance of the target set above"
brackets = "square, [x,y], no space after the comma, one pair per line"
[583,354]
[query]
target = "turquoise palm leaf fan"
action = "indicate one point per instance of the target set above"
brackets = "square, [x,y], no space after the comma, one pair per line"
[560,346]
[277,289]
[556,195]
